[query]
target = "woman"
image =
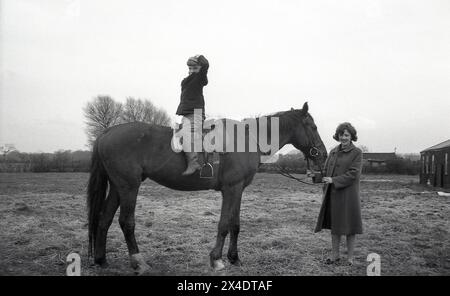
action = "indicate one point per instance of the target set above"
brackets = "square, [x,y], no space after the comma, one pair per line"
[341,210]
[192,99]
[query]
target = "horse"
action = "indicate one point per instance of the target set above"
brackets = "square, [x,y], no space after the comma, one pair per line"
[125,155]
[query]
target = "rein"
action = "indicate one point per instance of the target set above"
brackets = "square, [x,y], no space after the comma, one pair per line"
[282,171]
[313,152]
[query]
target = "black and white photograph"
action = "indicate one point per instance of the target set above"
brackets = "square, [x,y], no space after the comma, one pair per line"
[224,139]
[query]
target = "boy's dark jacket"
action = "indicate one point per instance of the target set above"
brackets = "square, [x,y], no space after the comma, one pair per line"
[192,90]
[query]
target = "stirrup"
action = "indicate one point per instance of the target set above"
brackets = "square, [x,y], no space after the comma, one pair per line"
[207,171]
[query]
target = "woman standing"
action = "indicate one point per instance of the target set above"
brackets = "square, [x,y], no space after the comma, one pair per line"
[341,211]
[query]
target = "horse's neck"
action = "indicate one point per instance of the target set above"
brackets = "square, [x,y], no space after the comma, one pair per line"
[283,133]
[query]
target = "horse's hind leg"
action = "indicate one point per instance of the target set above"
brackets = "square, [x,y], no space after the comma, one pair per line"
[127,223]
[106,218]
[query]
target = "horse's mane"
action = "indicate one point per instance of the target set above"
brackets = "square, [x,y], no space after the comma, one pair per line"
[287,119]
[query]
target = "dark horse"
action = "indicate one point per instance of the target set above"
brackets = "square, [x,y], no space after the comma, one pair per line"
[127,154]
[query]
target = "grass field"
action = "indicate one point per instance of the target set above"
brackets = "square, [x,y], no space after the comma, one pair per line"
[43,219]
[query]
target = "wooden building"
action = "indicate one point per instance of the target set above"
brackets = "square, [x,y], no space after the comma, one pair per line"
[377,159]
[434,169]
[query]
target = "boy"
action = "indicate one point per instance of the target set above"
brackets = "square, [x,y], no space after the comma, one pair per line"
[192,98]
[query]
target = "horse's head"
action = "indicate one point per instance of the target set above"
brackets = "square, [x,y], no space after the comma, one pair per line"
[306,138]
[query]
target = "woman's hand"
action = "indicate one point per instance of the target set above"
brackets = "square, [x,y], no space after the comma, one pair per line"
[327,180]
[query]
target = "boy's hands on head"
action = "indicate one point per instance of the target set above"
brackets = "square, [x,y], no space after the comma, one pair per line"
[197,63]
[203,61]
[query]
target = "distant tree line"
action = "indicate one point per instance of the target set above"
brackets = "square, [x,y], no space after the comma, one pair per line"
[59,161]
[408,164]
[79,161]
[293,163]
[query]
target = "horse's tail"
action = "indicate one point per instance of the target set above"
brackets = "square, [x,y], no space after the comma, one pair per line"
[96,193]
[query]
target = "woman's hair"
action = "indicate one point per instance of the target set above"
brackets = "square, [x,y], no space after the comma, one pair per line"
[343,127]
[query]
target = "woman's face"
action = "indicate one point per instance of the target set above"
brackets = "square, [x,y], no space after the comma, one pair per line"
[345,138]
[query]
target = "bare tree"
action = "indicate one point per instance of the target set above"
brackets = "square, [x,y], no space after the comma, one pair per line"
[133,110]
[149,112]
[144,111]
[5,149]
[161,118]
[101,113]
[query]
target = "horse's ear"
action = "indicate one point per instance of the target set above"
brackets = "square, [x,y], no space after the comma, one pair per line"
[305,108]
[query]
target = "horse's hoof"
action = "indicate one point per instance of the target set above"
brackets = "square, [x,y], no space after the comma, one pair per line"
[218,265]
[141,269]
[101,262]
[138,263]
[236,262]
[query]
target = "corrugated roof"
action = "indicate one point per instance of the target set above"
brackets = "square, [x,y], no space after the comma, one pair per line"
[438,146]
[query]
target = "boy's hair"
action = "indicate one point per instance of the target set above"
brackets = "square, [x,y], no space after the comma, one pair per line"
[343,127]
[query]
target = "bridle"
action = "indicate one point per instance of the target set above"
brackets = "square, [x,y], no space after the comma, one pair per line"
[313,153]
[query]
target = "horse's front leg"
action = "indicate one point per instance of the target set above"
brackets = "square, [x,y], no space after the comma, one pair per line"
[222,231]
[234,227]
[231,201]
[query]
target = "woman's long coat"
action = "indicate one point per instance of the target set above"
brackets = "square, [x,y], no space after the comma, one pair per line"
[341,209]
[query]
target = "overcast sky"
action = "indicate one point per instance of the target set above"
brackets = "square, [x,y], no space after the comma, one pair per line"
[382,65]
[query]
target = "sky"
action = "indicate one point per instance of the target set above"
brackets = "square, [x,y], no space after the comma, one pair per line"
[384,66]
